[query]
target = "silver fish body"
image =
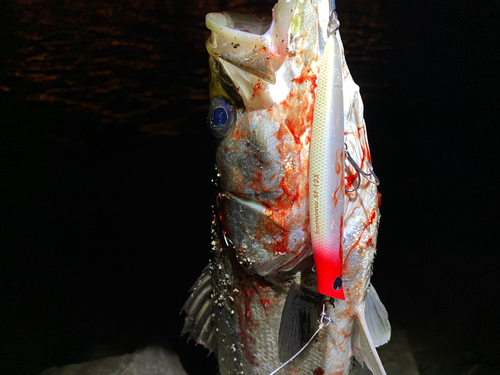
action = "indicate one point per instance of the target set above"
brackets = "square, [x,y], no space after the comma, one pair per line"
[256,303]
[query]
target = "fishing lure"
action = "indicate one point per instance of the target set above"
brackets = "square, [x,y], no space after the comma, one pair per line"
[326,169]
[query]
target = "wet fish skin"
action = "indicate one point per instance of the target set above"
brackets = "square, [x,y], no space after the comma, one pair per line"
[261,241]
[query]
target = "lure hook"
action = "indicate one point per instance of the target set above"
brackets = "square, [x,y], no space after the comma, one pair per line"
[368,176]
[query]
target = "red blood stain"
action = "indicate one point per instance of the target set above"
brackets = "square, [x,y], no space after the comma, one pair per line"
[306,76]
[364,147]
[368,223]
[282,246]
[349,180]
[246,325]
[379,198]
[335,197]
[265,302]
[302,109]
[257,89]
[339,157]
[372,217]
[318,371]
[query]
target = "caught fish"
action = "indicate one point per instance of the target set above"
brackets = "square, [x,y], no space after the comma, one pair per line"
[265,304]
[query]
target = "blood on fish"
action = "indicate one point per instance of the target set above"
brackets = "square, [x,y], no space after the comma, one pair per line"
[257,88]
[318,371]
[349,180]
[372,217]
[281,247]
[299,124]
[368,223]
[364,148]
[306,76]
[246,323]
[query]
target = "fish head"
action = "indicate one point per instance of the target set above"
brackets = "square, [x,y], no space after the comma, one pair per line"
[263,77]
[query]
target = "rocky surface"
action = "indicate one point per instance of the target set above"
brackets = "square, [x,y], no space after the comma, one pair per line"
[396,357]
[149,361]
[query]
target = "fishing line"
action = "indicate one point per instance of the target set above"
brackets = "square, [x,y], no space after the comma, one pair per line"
[322,323]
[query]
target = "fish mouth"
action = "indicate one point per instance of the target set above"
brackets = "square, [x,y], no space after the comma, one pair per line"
[255,44]
[230,24]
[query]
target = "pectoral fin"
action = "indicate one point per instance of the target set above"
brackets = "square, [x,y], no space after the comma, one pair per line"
[199,323]
[363,341]
[298,322]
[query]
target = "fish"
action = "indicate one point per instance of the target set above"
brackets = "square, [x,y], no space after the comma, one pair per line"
[258,304]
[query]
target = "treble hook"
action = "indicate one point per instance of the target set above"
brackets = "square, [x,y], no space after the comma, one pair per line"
[368,176]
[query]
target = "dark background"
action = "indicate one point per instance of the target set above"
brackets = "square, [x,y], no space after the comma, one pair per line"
[106,168]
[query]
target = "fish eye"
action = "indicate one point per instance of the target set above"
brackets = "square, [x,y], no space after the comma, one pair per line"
[220,117]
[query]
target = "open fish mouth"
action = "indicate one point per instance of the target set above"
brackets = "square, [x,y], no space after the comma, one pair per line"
[231,24]
[256,44]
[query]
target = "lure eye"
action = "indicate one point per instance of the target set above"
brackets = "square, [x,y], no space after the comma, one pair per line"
[220,118]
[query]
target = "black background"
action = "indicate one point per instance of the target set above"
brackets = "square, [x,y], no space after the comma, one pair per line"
[106,194]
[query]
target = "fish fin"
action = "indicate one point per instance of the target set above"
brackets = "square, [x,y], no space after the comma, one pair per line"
[199,322]
[299,321]
[363,346]
[377,318]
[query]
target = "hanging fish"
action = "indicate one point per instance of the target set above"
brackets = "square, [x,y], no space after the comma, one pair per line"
[284,105]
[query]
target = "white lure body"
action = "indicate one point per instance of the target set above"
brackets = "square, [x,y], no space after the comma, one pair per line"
[326,173]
